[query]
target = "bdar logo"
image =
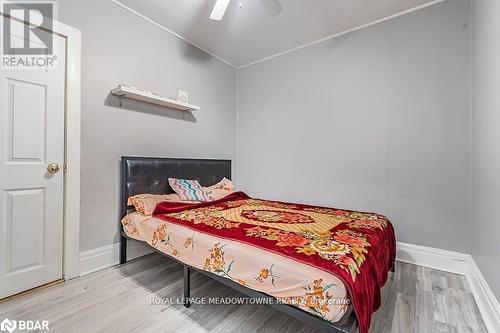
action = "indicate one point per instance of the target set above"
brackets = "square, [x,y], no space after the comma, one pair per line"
[8,325]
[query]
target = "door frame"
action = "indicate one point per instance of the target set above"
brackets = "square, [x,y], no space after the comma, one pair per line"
[72,138]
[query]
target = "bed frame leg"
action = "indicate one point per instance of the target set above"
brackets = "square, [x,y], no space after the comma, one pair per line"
[123,250]
[187,286]
[393,269]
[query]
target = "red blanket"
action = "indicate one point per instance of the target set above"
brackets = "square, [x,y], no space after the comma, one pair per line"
[359,248]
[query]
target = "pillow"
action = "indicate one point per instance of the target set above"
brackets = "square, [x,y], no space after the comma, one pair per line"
[216,194]
[189,190]
[224,184]
[146,203]
[219,190]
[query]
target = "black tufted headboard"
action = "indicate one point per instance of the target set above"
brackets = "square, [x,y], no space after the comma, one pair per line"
[150,174]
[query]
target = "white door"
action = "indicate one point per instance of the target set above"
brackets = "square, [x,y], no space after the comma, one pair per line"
[31,198]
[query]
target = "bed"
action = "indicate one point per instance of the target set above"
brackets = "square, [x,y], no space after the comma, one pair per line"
[255,246]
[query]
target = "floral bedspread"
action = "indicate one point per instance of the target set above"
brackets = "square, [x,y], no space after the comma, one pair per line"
[356,247]
[289,281]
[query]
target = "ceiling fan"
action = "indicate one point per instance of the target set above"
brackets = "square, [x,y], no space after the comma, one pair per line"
[273,7]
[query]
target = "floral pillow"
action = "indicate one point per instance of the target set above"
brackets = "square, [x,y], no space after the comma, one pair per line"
[219,190]
[217,193]
[188,190]
[224,184]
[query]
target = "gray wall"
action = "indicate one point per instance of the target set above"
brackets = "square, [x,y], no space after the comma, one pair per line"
[120,47]
[486,139]
[374,120]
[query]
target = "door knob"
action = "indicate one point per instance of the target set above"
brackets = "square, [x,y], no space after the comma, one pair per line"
[52,168]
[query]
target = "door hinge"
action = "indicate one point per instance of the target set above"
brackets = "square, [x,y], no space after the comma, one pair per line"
[64,168]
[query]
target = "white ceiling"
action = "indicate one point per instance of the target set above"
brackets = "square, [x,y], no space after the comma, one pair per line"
[248,34]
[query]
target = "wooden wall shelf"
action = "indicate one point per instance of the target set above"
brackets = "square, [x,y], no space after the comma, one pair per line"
[149,97]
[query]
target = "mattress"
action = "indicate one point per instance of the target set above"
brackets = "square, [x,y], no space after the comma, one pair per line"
[290,281]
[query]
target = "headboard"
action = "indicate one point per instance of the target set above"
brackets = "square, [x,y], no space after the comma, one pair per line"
[150,174]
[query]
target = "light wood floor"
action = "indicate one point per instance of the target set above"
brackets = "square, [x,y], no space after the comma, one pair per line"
[117,299]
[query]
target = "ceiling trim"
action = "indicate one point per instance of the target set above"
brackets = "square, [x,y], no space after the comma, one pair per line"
[118,3]
[387,18]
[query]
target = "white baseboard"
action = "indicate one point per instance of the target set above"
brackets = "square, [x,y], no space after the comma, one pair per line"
[449,261]
[459,263]
[109,255]
[444,260]
[487,303]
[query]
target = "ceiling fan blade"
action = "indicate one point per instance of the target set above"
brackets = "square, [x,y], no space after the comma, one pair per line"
[219,9]
[273,7]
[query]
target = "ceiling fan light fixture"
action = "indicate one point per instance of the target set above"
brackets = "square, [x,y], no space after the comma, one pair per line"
[219,10]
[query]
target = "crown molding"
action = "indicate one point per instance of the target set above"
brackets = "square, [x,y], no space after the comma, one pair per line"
[144,17]
[387,18]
